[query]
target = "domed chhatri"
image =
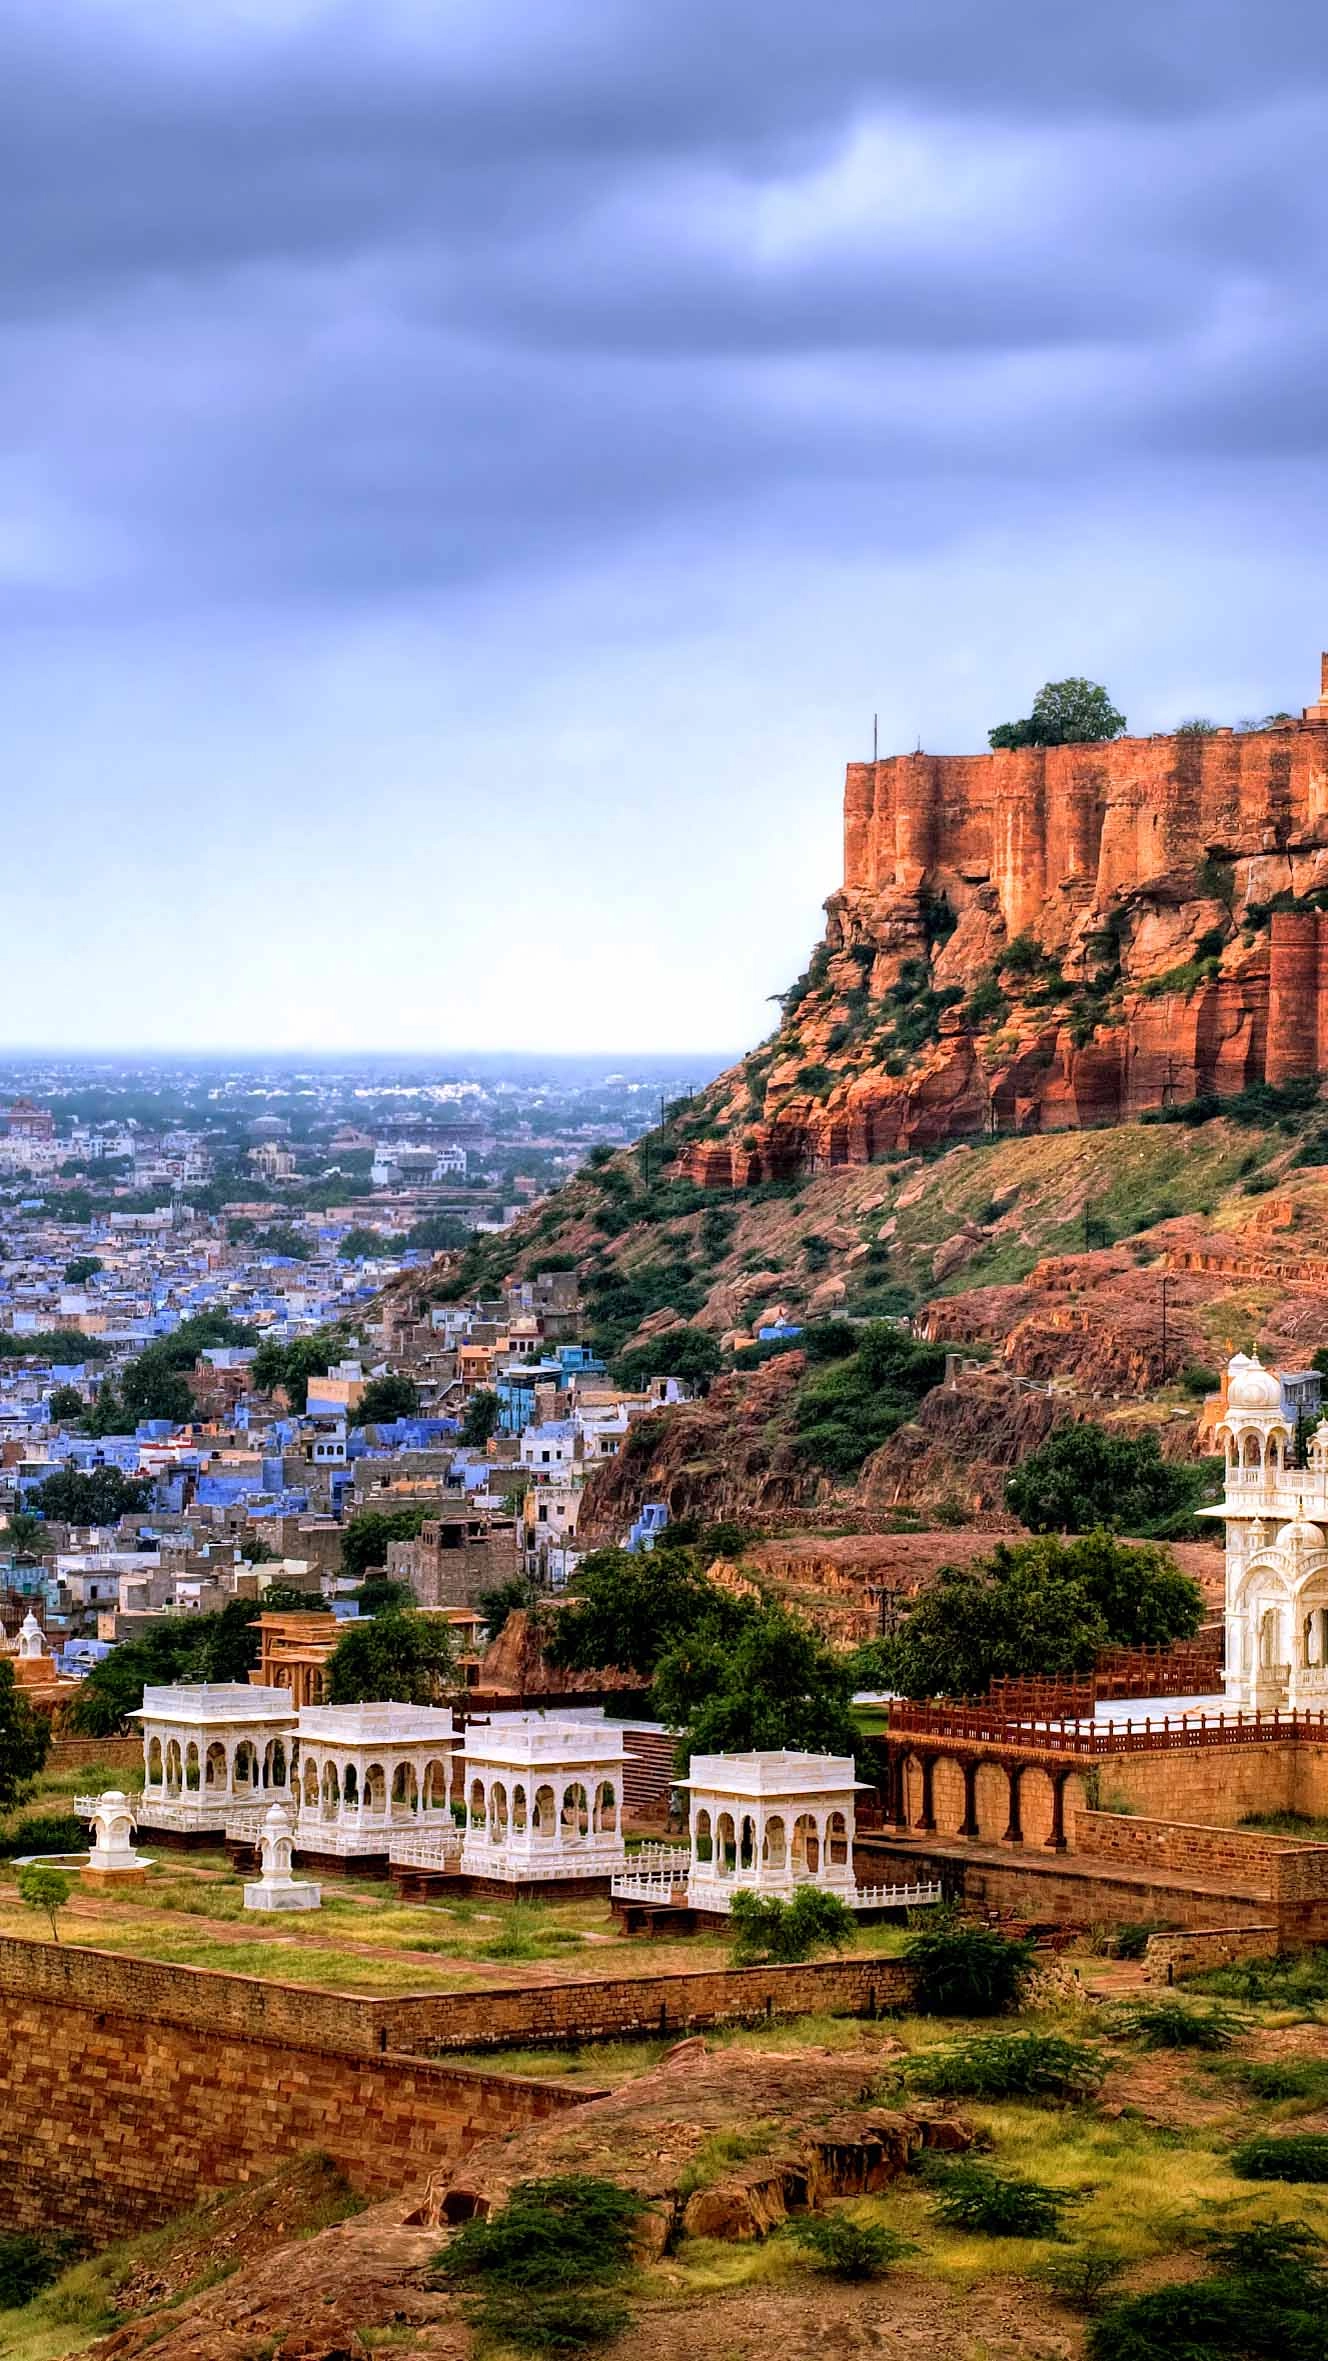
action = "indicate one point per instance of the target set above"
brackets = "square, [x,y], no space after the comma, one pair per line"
[1250,1386]
[1276,1514]
[1300,1534]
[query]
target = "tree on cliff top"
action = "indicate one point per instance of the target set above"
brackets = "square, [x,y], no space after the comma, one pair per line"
[1071,712]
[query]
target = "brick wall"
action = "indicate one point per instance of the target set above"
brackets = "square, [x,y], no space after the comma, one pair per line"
[1248,1858]
[208,2002]
[1171,1957]
[1221,1783]
[129,2090]
[74,1754]
[108,2124]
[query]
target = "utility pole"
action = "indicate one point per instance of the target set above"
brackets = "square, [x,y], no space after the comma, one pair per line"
[1166,1282]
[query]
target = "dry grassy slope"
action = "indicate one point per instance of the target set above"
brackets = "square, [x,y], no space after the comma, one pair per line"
[988,1245]
[1150,2159]
[975,1216]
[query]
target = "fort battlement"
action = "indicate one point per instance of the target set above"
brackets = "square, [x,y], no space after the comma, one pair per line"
[1168,897]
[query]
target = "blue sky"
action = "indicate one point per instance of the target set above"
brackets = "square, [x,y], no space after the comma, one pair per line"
[469,472]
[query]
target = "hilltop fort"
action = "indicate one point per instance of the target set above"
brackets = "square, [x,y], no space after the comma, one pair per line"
[1045,939]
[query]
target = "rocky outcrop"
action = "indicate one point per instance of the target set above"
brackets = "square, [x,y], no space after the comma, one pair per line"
[720,2144]
[1042,940]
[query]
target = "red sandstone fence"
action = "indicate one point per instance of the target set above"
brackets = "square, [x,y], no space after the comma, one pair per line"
[1076,1736]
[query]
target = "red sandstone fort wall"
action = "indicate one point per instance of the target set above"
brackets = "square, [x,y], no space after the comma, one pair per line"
[1110,816]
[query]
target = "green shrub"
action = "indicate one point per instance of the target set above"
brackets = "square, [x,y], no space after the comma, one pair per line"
[974,2196]
[1296,2156]
[28,2263]
[563,2323]
[1264,2302]
[547,2262]
[1173,2024]
[962,1970]
[1197,1380]
[44,1832]
[1008,2066]
[850,2249]
[846,1410]
[1082,2276]
[1289,1980]
[1284,2078]
[766,1929]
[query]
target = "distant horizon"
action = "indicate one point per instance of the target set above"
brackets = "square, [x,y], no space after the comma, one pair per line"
[244,1054]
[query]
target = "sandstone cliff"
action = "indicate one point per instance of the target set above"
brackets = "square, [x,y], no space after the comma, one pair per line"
[1042,940]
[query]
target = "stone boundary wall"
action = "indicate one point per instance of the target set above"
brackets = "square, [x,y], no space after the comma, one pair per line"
[1291,1874]
[109,2125]
[208,2001]
[1171,1957]
[73,1754]
[1250,1856]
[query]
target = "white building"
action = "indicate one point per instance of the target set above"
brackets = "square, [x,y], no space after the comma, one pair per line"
[543,1799]
[771,1822]
[1277,1548]
[370,1772]
[211,1747]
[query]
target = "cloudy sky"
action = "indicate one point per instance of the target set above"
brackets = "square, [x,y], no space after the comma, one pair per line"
[470,469]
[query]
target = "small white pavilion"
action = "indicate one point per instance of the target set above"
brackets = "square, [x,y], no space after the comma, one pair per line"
[770,1822]
[368,1772]
[543,1799]
[210,1747]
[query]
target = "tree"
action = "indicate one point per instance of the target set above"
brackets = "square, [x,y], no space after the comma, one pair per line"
[1083,1476]
[632,1606]
[480,1418]
[691,1354]
[221,1647]
[24,1533]
[1039,1607]
[393,1395]
[82,1267]
[754,1680]
[766,1929]
[366,1245]
[101,1497]
[25,1736]
[439,1233]
[516,1597]
[292,1365]
[282,1238]
[43,1887]
[1072,712]
[365,1540]
[153,1387]
[66,1402]
[403,1656]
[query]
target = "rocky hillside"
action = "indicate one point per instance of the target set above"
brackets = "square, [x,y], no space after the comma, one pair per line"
[1055,1064]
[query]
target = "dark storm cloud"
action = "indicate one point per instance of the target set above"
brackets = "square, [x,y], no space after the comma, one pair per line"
[337,302]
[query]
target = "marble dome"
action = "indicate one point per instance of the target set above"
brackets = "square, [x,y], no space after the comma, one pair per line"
[1250,1386]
